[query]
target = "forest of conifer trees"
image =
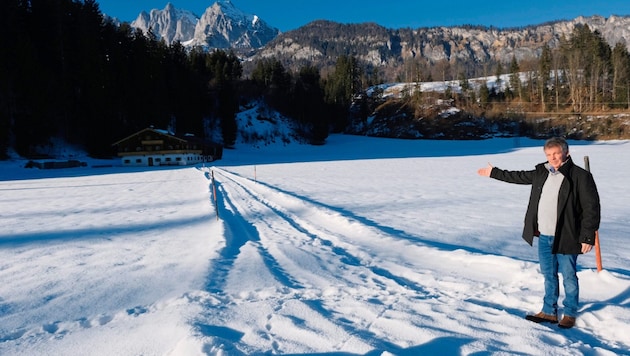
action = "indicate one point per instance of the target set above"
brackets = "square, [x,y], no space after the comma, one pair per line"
[67,72]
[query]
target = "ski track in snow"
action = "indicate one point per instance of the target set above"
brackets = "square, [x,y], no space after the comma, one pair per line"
[386,290]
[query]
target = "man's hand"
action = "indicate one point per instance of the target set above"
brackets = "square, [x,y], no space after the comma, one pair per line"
[586,248]
[485,171]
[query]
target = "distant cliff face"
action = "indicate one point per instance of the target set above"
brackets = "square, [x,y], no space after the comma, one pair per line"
[323,41]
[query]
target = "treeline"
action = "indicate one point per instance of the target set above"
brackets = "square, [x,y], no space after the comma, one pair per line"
[582,75]
[67,72]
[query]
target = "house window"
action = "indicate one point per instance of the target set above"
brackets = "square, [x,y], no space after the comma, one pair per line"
[178,159]
[138,160]
[127,161]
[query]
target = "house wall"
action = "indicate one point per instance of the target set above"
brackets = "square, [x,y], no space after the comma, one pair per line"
[178,159]
[150,147]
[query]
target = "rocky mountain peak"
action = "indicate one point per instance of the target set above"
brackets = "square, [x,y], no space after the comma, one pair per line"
[169,24]
[222,25]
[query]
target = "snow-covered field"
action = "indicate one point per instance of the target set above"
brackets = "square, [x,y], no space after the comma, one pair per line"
[362,246]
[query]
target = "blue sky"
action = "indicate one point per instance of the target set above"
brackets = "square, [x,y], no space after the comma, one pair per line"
[291,14]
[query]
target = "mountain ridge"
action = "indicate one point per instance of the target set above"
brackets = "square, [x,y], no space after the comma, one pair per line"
[319,43]
[221,26]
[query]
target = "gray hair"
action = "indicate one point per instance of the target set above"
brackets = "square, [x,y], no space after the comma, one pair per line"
[557,142]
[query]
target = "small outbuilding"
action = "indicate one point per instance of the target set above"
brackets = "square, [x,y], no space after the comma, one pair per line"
[154,147]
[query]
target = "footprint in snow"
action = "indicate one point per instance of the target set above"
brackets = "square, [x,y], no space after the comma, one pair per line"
[135,311]
[12,336]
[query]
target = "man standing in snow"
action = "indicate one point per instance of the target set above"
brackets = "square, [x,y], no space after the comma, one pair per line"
[564,213]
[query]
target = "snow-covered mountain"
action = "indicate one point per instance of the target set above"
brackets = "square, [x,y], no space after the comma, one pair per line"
[222,25]
[171,24]
[225,26]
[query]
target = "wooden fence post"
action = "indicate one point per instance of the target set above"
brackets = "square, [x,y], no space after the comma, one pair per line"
[214,196]
[598,252]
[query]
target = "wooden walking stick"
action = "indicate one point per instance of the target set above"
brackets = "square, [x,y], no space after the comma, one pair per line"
[598,252]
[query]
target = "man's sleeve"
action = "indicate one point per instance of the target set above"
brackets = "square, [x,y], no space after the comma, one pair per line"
[591,210]
[516,177]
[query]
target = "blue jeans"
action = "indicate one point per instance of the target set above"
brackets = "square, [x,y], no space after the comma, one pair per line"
[550,265]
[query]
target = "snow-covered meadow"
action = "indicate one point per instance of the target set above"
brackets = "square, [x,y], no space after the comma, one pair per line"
[363,246]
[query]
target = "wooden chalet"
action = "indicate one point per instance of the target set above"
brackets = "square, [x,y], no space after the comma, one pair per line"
[153,147]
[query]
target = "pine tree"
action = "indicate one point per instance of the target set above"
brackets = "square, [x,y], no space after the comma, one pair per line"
[587,57]
[224,69]
[484,95]
[498,73]
[544,76]
[308,103]
[340,88]
[515,79]
[621,76]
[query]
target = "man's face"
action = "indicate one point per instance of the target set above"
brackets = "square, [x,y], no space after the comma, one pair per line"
[555,156]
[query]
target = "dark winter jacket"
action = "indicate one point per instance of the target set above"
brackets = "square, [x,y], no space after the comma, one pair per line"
[578,205]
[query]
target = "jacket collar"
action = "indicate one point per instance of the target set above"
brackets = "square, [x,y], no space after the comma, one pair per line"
[564,168]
